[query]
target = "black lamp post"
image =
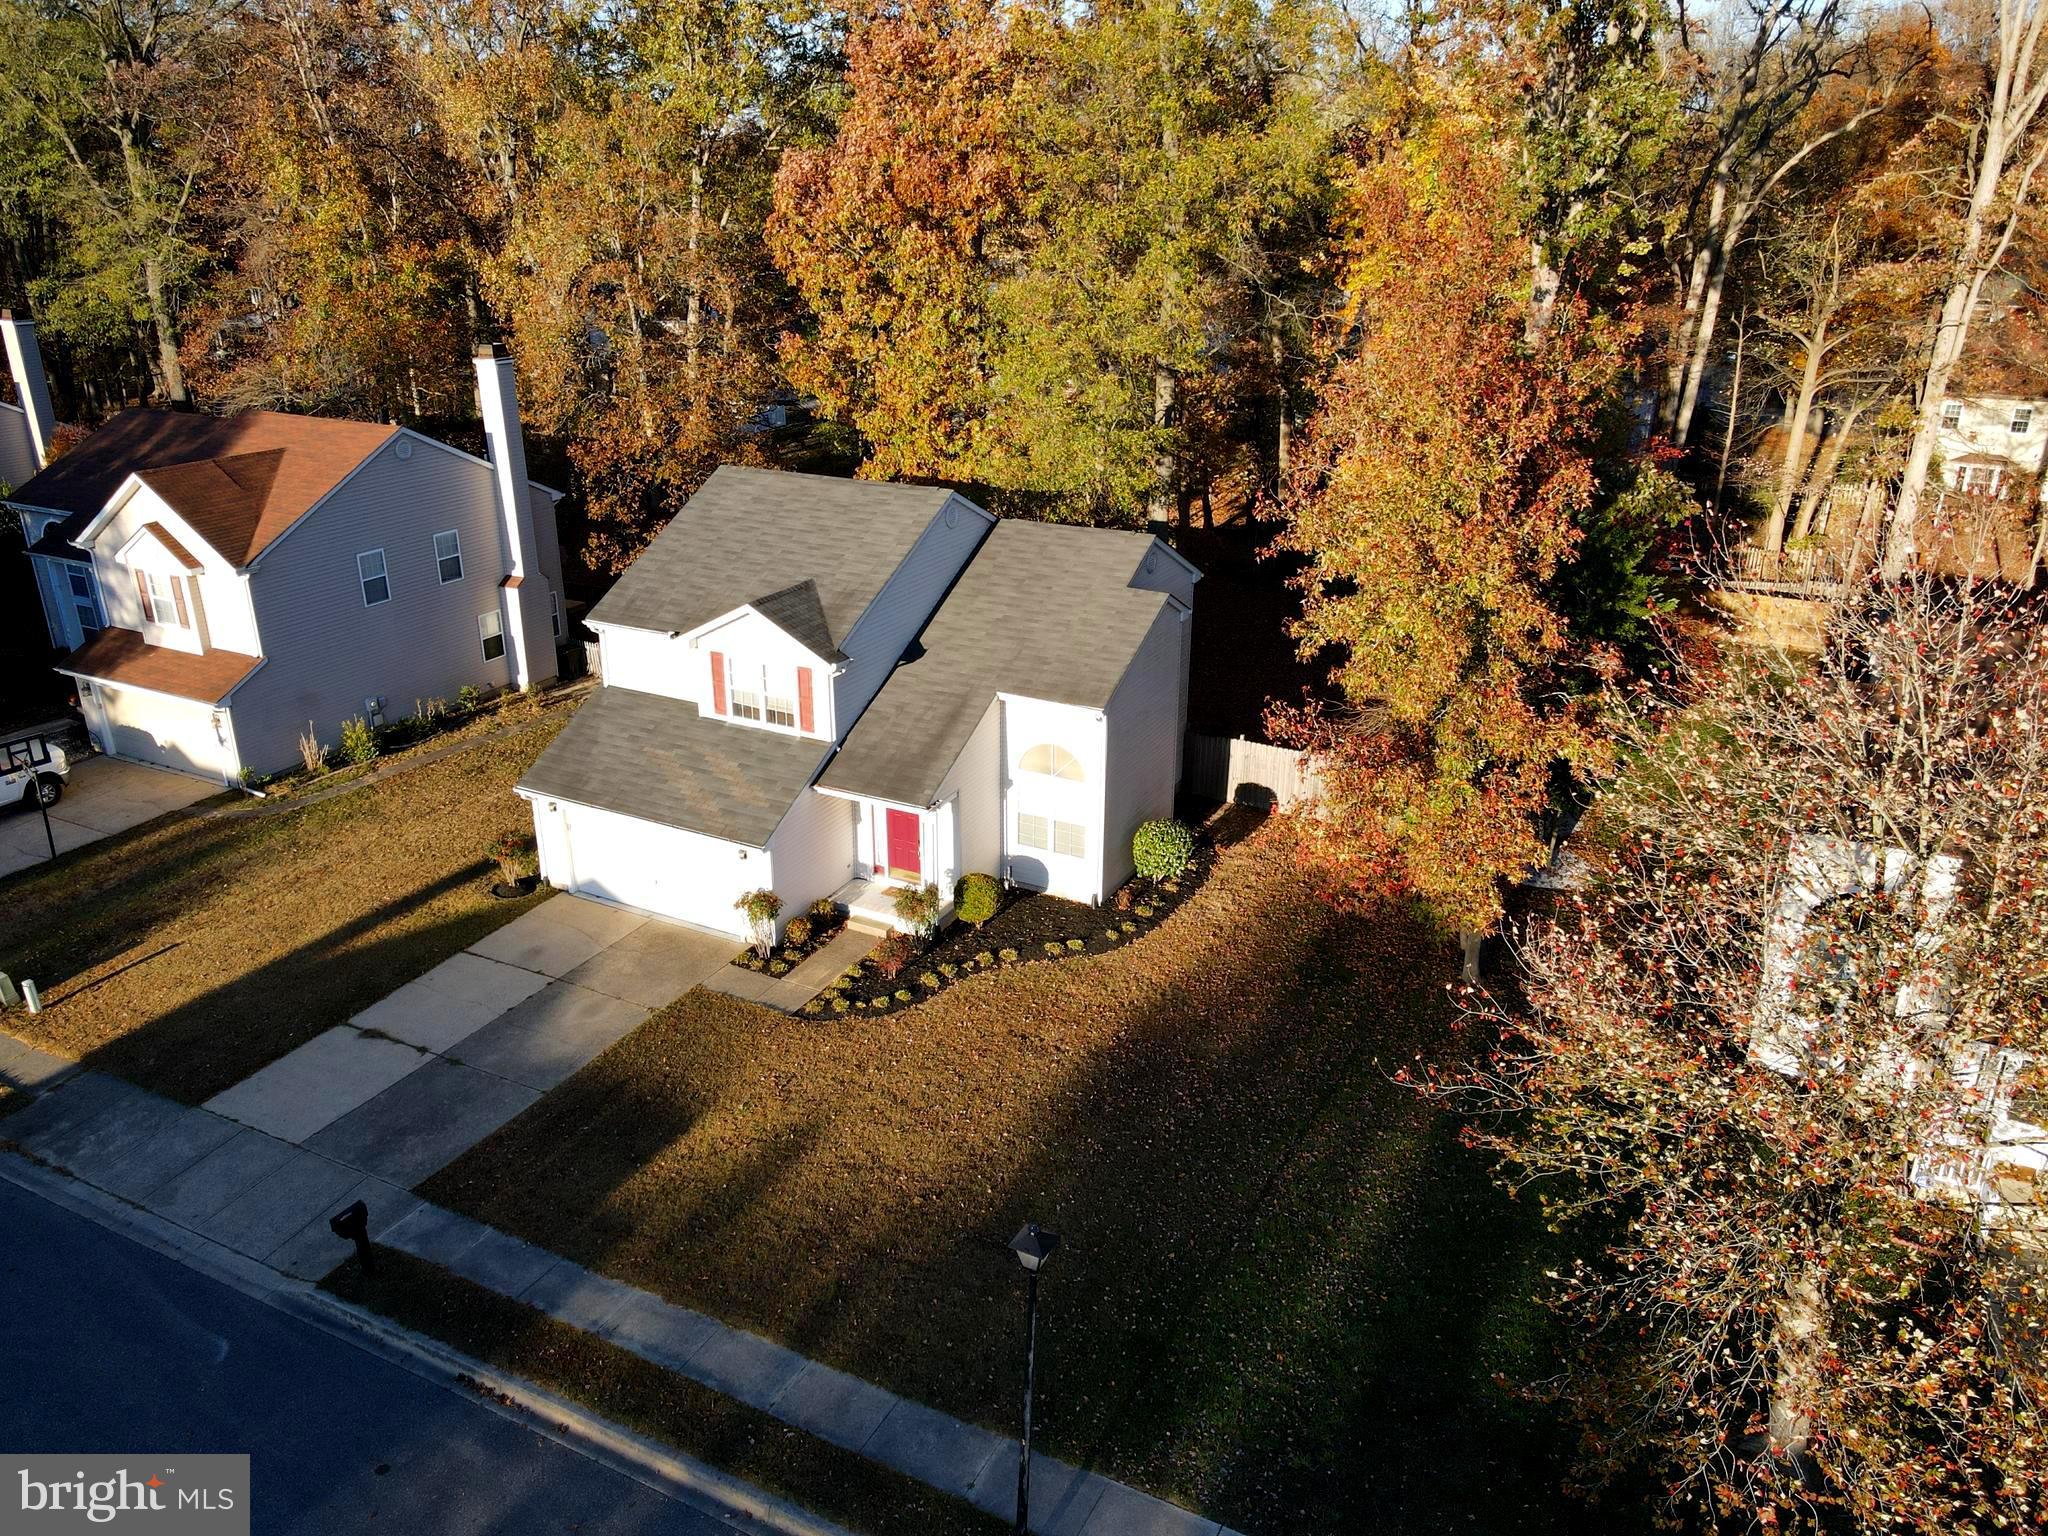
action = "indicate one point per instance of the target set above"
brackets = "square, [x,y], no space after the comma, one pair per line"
[1033,1245]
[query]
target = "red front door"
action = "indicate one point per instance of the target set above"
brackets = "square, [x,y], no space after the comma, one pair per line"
[902,835]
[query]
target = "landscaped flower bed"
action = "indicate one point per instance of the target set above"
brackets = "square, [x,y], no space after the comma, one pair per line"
[1028,927]
[802,937]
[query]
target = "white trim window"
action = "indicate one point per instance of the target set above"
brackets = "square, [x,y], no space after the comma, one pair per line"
[162,603]
[744,686]
[1951,415]
[781,710]
[2022,420]
[375,576]
[555,612]
[490,629]
[448,556]
[84,599]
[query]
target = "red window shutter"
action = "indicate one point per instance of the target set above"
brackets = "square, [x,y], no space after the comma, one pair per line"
[142,591]
[806,720]
[178,592]
[717,683]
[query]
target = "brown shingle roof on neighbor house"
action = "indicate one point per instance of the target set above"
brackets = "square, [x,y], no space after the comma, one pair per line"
[124,658]
[239,480]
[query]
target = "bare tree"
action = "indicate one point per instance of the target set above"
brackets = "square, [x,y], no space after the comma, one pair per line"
[1778,1066]
[1757,89]
[2003,155]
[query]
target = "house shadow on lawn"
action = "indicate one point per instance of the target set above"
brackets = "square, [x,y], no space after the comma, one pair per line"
[1285,1289]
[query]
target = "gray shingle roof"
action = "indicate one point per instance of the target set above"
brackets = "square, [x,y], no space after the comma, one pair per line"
[655,758]
[750,533]
[1045,611]
[798,613]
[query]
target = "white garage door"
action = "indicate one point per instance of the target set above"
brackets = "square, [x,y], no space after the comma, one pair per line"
[172,733]
[657,869]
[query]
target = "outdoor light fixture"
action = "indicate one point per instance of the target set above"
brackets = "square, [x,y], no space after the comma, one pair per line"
[1033,1245]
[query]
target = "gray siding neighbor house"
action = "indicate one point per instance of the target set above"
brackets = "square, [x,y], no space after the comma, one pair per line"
[222,585]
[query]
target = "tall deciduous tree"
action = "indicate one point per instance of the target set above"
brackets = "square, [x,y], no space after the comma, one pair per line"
[1993,184]
[123,87]
[886,231]
[1439,492]
[1776,1063]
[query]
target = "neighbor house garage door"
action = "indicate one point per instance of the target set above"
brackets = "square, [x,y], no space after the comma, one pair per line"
[172,733]
[657,869]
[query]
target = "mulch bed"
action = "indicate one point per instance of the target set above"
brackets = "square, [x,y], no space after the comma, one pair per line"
[786,957]
[1029,927]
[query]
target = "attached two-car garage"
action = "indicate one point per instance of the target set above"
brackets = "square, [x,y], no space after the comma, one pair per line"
[147,727]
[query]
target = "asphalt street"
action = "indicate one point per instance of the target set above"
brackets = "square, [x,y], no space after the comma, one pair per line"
[108,1346]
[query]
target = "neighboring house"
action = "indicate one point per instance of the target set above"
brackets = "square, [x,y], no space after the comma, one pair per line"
[221,585]
[27,424]
[1993,446]
[830,687]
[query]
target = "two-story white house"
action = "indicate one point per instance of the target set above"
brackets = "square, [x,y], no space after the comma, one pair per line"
[828,687]
[223,585]
[1993,445]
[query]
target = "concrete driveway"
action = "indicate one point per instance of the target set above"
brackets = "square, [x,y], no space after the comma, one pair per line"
[104,796]
[414,1081]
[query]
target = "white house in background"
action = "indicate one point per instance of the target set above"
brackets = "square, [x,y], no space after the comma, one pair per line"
[27,423]
[829,687]
[1990,445]
[220,584]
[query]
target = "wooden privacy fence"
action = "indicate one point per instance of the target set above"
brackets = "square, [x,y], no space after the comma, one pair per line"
[1252,772]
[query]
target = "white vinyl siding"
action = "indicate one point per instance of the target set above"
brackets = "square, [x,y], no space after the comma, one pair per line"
[375,577]
[448,556]
[1144,717]
[811,853]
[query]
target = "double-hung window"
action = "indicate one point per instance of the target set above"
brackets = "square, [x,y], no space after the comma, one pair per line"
[490,627]
[1952,414]
[2022,420]
[555,612]
[162,602]
[781,710]
[746,691]
[448,556]
[375,578]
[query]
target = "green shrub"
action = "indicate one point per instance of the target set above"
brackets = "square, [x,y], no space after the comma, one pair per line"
[252,778]
[1128,926]
[977,898]
[760,906]
[903,994]
[1144,910]
[917,905]
[797,931]
[1055,947]
[949,971]
[879,1004]
[1161,849]
[984,958]
[815,1006]
[778,967]
[1007,955]
[468,697]
[840,1005]
[358,741]
[929,980]
[825,909]
[1077,943]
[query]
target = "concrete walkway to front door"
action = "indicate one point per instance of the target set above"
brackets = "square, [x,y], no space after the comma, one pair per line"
[414,1081]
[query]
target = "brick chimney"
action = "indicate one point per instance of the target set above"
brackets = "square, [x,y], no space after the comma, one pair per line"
[25,363]
[529,638]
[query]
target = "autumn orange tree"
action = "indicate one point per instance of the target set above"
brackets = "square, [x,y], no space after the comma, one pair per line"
[1779,1069]
[886,230]
[1438,496]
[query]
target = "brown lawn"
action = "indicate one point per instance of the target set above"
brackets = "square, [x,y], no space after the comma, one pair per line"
[190,952]
[1284,1290]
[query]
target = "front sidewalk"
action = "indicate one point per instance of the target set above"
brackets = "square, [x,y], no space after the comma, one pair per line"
[260,1198]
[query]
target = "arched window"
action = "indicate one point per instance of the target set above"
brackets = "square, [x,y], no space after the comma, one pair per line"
[1054,762]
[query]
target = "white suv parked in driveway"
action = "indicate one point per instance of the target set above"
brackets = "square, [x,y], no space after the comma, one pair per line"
[33,769]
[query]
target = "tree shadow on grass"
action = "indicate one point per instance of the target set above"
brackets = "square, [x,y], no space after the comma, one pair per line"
[1285,1289]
